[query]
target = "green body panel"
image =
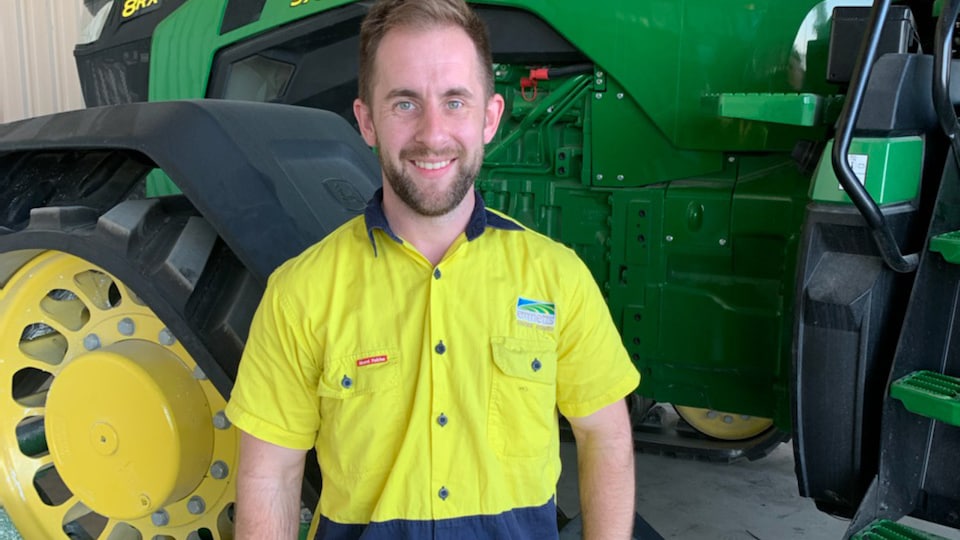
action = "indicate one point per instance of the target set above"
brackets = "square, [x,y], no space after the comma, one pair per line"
[698,272]
[160,185]
[701,285]
[668,54]
[628,149]
[889,168]
[667,170]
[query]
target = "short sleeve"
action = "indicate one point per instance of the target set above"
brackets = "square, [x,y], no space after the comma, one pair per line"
[274,397]
[594,369]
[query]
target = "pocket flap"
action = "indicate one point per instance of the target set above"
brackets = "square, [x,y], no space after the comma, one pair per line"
[359,374]
[526,359]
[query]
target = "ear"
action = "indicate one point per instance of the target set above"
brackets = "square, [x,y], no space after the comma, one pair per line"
[365,122]
[492,116]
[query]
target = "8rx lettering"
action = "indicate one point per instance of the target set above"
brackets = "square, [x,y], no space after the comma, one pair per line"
[132,8]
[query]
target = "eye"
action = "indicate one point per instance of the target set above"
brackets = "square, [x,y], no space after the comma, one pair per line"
[455,104]
[404,106]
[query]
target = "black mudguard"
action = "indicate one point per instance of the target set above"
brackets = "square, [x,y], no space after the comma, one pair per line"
[271,179]
[849,311]
[850,305]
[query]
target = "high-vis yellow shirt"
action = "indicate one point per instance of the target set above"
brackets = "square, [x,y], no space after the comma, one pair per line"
[430,392]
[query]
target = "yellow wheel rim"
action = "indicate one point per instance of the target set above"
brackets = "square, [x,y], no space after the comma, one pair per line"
[110,429]
[724,425]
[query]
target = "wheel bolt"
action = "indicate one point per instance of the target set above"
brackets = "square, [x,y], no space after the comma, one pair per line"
[126,326]
[219,470]
[160,518]
[198,374]
[220,421]
[196,505]
[166,337]
[91,342]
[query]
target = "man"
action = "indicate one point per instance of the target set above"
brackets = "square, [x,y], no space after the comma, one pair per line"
[425,347]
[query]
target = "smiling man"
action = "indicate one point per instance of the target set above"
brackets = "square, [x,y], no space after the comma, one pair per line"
[425,348]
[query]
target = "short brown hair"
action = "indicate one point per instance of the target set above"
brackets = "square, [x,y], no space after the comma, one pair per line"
[386,15]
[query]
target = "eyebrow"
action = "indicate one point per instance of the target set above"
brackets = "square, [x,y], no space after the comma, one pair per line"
[458,91]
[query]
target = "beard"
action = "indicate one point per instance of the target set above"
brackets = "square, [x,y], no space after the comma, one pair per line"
[419,199]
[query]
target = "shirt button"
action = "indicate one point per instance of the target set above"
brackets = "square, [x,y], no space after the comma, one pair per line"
[440,348]
[442,419]
[436,273]
[346,382]
[443,493]
[536,365]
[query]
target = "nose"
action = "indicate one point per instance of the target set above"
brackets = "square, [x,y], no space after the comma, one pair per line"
[432,130]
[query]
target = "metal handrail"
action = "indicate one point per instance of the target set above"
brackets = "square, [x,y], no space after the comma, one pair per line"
[882,234]
[942,57]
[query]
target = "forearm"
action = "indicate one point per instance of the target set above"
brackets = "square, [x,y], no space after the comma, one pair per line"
[263,511]
[268,498]
[607,485]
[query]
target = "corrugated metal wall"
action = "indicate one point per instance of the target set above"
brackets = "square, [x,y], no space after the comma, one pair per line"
[37,72]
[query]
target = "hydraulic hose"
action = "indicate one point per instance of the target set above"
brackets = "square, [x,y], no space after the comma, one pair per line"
[575,69]
[882,234]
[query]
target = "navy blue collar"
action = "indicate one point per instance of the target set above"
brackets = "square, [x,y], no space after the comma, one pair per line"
[480,219]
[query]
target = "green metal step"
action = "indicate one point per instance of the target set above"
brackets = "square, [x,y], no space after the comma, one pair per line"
[948,245]
[889,530]
[930,394]
[792,109]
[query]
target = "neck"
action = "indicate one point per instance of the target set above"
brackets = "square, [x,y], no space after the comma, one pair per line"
[431,235]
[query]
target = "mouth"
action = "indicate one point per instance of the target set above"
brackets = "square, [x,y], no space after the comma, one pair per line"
[432,165]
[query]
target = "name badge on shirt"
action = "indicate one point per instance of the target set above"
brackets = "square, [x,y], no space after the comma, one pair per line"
[371,360]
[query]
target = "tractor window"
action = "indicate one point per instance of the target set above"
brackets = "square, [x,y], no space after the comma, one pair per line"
[257,79]
[311,62]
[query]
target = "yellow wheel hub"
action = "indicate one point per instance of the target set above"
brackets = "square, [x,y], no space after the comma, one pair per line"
[108,429]
[724,425]
[113,414]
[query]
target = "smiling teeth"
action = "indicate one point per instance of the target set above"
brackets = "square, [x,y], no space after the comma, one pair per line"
[431,165]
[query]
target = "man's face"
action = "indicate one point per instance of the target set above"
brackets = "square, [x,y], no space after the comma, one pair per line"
[429,116]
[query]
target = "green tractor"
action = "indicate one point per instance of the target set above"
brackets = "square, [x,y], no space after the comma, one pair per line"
[766,191]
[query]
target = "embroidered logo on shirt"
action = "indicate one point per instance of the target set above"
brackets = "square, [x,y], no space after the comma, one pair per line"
[536,312]
[370,360]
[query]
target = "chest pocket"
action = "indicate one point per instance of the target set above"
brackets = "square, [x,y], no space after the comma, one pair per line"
[523,398]
[361,409]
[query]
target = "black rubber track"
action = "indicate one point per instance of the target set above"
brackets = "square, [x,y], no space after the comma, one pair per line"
[90,204]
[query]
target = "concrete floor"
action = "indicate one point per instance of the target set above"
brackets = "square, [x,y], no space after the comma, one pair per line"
[748,500]
[694,500]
